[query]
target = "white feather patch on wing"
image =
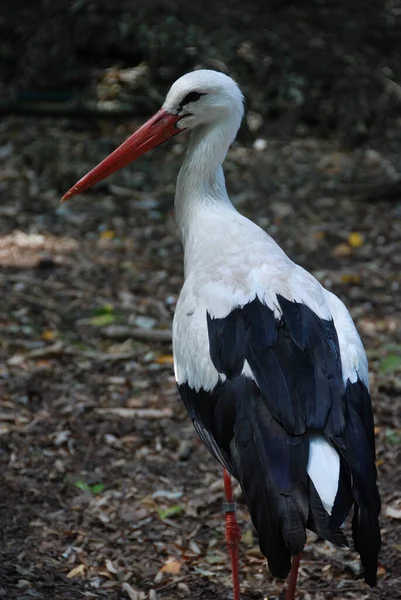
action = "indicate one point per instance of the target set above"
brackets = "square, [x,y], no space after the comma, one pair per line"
[247,371]
[293,283]
[222,298]
[324,469]
[353,356]
[192,362]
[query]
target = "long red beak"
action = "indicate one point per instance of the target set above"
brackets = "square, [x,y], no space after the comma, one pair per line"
[158,129]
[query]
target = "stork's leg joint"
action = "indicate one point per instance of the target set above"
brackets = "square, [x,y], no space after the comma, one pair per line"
[229,506]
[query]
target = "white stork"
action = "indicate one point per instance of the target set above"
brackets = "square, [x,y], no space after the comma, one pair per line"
[268,363]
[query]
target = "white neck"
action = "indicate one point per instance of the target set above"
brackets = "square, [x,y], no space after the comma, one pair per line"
[201,179]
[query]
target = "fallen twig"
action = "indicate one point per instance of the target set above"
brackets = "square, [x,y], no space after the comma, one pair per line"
[137,413]
[59,349]
[121,332]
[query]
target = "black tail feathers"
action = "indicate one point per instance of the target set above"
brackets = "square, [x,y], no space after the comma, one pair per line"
[271,466]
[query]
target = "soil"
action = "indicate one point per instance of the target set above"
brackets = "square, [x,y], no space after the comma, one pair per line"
[105,491]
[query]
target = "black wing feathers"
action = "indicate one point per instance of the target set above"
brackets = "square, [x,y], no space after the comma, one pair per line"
[227,342]
[357,396]
[278,502]
[367,540]
[259,429]
[214,418]
[320,521]
[343,500]
[358,451]
[319,372]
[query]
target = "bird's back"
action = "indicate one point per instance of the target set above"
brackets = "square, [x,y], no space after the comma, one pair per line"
[273,373]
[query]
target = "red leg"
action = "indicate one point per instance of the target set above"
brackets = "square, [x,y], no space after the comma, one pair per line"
[292,580]
[233,534]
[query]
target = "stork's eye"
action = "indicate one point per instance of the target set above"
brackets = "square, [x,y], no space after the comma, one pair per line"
[191,97]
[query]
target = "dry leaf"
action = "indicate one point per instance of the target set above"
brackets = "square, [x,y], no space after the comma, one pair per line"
[350,278]
[43,364]
[110,567]
[164,359]
[247,537]
[108,234]
[78,571]
[355,240]
[381,571]
[193,546]
[342,250]
[106,574]
[131,593]
[215,558]
[49,335]
[148,503]
[171,566]
[393,513]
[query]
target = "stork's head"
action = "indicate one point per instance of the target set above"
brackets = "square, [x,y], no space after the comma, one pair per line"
[199,98]
[203,97]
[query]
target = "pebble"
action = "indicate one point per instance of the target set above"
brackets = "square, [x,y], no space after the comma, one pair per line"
[260,144]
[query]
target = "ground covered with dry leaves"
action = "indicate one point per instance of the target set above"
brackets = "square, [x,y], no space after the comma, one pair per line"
[105,490]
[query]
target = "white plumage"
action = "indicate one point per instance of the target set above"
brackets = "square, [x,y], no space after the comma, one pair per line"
[227,265]
[324,469]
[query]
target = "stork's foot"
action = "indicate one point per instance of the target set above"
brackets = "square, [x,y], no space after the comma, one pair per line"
[233,533]
[292,578]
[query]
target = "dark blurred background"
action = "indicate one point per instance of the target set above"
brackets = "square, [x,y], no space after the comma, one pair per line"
[318,66]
